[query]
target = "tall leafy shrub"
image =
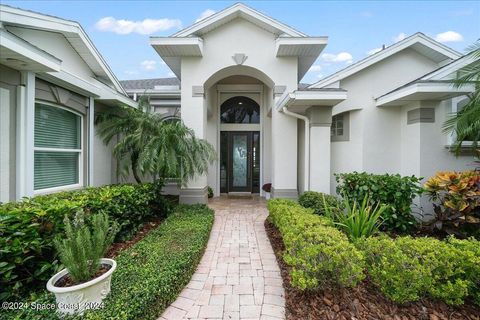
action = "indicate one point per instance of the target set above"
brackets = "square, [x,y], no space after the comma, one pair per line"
[28,228]
[315,200]
[395,191]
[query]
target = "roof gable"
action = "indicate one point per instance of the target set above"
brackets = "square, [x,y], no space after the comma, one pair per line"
[418,42]
[238,10]
[71,30]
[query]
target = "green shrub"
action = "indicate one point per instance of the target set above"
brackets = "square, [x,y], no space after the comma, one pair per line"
[357,220]
[84,244]
[393,190]
[314,200]
[319,254]
[151,273]
[28,228]
[408,269]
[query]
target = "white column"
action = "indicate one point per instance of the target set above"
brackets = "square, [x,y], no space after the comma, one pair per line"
[194,116]
[284,154]
[5,156]
[91,139]
[25,136]
[320,123]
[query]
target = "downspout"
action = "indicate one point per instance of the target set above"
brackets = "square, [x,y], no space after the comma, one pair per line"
[307,144]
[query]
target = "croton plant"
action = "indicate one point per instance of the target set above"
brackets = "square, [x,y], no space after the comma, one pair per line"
[456,197]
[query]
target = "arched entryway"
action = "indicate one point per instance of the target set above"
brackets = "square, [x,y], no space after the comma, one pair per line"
[240,146]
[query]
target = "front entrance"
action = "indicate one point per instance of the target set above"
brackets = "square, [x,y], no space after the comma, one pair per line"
[240,161]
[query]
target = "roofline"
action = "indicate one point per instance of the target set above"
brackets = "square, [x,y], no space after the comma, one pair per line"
[379,56]
[242,7]
[77,29]
[450,68]
[29,50]
[422,87]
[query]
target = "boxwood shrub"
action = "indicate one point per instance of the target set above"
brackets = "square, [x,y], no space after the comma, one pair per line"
[28,227]
[151,273]
[319,254]
[407,269]
[314,200]
[390,189]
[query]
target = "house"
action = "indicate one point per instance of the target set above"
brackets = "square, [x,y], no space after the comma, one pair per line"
[238,86]
[239,72]
[52,81]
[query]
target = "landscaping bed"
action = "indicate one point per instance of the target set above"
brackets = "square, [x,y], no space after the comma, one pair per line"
[150,273]
[364,301]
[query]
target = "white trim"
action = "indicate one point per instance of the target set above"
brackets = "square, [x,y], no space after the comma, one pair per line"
[445,71]
[80,152]
[233,88]
[299,43]
[70,29]
[236,10]
[91,140]
[240,127]
[310,98]
[29,51]
[402,94]
[25,135]
[177,47]
[385,53]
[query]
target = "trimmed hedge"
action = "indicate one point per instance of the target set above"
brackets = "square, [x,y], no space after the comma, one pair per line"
[314,200]
[390,189]
[319,254]
[408,269]
[152,272]
[28,227]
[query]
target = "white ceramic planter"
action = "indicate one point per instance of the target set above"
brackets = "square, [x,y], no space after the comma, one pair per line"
[267,195]
[88,295]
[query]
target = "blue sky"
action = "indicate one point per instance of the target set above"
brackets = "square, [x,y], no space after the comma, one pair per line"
[120,30]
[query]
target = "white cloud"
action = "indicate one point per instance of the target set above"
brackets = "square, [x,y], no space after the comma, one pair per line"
[316,68]
[449,36]
[205,14]
[130,72]
[341,57]
[373,51]
[461,13]
[319,76]
[146,26]
[149,65]
[171,74]
[399,37]
[366,14]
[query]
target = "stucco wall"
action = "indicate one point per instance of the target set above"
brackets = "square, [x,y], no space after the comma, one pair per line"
[219,45]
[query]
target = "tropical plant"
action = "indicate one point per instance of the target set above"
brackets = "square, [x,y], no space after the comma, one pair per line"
[150,146]
[356,220]
[465,124]
[82,246]
[458,201]
[393,190]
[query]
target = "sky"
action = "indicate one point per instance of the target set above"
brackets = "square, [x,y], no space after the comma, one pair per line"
[121,29]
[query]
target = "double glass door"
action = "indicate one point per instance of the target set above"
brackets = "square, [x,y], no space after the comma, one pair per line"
[240,161]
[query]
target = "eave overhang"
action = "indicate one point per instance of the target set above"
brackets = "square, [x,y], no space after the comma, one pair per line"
[172,49]
[19,54]
[422,90]
[301,100]
[307,49]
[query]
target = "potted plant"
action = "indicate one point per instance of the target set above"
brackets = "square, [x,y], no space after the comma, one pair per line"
[267,187]
[85,281]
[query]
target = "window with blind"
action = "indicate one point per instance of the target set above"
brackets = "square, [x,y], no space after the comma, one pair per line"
[58,147]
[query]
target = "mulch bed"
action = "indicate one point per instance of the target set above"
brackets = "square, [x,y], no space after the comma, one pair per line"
[363,302]
[117,247]
[67,281]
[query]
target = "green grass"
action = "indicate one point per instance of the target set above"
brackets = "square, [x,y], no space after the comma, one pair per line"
[151,273]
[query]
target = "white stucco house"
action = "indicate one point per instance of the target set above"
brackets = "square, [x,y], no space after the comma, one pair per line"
[238,86]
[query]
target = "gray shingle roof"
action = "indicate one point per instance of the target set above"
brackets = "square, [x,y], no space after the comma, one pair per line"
[149,83]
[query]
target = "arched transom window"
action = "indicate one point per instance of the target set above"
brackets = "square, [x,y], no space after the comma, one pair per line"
[240,110]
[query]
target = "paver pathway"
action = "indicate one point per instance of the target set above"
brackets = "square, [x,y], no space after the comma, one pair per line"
[238,276]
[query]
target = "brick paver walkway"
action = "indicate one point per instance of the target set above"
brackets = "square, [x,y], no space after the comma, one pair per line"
[238,276]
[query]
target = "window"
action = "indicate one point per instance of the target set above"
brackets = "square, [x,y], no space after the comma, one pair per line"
[339,130]
[58,147]
[460,105]
[240,110]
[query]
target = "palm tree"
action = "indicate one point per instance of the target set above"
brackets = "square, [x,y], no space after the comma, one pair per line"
[150,146]
[466,122]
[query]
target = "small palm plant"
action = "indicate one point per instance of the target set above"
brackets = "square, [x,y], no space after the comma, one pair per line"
[356,220]
[82,246]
